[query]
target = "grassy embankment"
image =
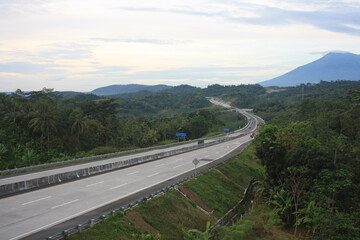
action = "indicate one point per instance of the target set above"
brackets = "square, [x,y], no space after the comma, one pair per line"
[172,214]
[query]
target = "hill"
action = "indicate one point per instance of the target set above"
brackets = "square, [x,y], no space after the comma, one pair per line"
[331,67]
[128,88]
[77,96]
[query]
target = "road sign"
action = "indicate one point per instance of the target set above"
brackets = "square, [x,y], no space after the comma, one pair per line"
[249,119]
[195,162]
[181,134]
[226,129]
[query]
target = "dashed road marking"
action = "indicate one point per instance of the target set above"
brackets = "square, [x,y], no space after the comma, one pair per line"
[118,186]
[93,184]
[132,173]
[36,200]
[153,174]
[179,166]
[61,205]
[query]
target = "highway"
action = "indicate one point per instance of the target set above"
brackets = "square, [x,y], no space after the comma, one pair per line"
[28,213]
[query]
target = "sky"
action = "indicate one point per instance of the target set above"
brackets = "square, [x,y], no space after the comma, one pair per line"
[80,45]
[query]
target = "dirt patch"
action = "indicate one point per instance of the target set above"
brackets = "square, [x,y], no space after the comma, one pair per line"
[140,222]
[194,197]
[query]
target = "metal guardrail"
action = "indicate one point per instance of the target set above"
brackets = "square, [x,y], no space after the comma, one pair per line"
[108,155]
[95,157]
[91,222]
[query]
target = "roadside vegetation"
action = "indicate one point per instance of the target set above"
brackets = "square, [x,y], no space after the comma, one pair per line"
[41,127]
[172,215]
[309,148]
[313,166]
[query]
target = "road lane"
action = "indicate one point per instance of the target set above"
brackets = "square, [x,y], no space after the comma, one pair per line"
[47,207]
[75,198]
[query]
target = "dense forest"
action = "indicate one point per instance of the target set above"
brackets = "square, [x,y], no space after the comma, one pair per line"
[44,126]
[311,152]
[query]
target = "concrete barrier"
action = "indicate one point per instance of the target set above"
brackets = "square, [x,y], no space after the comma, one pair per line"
[46,181]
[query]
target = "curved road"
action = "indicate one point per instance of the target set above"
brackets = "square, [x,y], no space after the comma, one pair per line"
[25,214]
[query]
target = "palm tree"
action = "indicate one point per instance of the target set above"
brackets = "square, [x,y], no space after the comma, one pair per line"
[44,120]
[78,126]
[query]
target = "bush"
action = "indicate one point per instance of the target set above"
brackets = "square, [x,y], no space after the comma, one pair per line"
[103,150]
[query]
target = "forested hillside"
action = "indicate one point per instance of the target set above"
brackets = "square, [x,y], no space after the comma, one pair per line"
[42,126]
[310,146]
[312,157]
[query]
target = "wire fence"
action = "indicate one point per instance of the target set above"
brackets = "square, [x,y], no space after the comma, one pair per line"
[245,204]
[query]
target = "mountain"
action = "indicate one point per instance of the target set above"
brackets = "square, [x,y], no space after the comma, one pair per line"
[129,88]
[333,66]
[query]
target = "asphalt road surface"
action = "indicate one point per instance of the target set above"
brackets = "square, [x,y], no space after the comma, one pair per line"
[23,215]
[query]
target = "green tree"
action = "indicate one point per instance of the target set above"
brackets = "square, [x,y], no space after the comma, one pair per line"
[78,126]
[43,120]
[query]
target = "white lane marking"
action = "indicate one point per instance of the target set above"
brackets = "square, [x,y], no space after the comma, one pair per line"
[179,159]
[207,156]
[94,184]
[153,174]
[160,165]
[217,152]
[179,166]
[102,204]
[132,173]
[118,186]
[36,200]
[65,204]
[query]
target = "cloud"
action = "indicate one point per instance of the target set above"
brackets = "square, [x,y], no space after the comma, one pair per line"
[51,52]
[323,53]
[65,51]
[14,7]
[187,11]
[334,21]
[28,68]
[134,40]
[336,16]
[105,70]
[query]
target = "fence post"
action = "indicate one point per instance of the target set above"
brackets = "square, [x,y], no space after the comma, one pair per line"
[65,233]
[92,222]
[79,227]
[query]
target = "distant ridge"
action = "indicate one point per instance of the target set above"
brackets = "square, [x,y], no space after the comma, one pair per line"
[129,88]
[333,66]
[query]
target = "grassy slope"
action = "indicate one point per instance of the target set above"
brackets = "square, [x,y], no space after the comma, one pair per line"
[261,224]
[172,214]
[115,227]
